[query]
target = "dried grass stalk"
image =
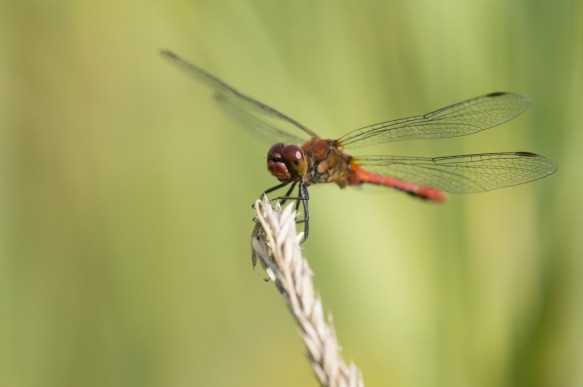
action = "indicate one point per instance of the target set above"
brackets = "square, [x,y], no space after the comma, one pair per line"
[276,246]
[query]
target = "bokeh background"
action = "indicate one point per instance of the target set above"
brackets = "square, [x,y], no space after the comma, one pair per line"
[125,194]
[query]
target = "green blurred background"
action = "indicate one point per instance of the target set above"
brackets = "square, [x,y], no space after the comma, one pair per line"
[125,194]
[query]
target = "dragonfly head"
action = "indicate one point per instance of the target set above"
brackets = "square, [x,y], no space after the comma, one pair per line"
[287,162]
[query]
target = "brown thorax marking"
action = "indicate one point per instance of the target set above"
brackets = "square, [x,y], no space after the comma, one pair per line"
[327,163]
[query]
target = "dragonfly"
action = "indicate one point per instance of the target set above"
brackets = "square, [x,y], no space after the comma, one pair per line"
[301,161]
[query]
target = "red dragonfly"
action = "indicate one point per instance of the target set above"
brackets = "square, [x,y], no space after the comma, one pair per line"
[300,163]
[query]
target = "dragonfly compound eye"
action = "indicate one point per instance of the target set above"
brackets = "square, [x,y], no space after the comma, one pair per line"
[274,153]
[294,157]
[276,165]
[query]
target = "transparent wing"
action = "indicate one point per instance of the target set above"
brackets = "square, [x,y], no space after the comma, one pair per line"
[239,105]
[266,130]
[464,173]
[466,117]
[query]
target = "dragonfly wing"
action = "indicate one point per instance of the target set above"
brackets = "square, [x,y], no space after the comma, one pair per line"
[464,173]
[234,101]
[265,129]
[460,119]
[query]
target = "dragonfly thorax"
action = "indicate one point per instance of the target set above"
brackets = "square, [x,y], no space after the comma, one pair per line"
[327,163]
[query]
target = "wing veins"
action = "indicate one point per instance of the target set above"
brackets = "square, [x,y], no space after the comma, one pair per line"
[223,88]
[466,117]
[464,173]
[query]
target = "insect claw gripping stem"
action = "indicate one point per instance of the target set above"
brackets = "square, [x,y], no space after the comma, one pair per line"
[302,198]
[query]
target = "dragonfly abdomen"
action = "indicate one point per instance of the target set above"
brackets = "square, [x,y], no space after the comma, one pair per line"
[425,192]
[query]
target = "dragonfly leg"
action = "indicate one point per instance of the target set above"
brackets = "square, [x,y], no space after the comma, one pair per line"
[302,198]
[274,188]
[288,193]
